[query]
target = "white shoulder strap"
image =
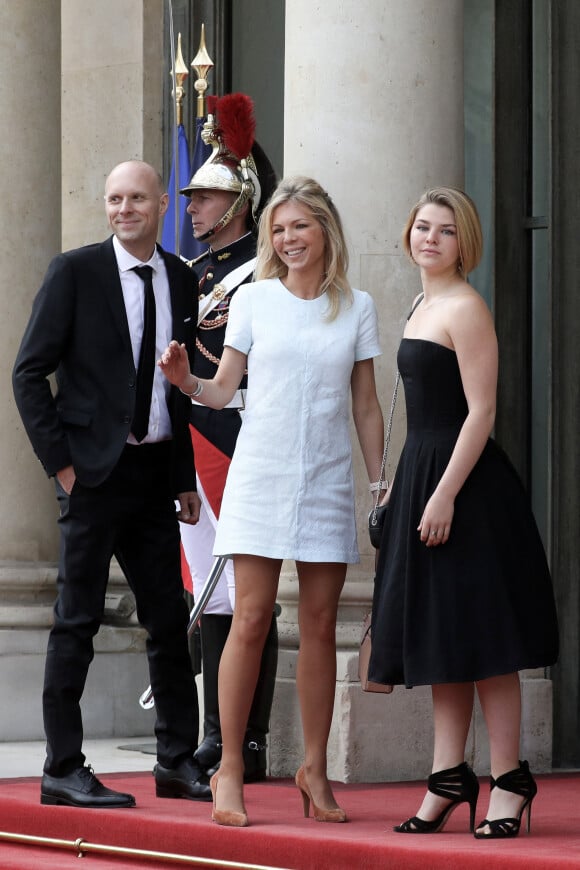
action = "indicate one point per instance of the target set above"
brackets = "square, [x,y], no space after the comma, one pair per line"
[232,280]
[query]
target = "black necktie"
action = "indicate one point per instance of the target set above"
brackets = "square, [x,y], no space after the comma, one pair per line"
[146,369]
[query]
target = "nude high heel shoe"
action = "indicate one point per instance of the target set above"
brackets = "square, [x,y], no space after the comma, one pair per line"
[320,815]
[225,817]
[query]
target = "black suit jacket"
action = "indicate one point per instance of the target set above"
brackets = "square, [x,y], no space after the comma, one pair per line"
[79,330]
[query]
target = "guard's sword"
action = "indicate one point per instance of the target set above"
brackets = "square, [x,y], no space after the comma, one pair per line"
[146,700]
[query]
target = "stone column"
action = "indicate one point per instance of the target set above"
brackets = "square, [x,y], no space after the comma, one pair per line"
[30,230]
[112,103]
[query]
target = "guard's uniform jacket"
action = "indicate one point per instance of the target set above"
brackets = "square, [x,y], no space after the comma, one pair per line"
[219,427]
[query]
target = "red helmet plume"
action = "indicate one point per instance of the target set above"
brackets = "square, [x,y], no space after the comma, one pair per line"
[235,117]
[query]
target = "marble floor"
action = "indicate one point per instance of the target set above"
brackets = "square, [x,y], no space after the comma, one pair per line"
[105,756]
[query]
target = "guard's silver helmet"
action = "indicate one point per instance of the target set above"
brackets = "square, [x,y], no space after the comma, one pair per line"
[230,128]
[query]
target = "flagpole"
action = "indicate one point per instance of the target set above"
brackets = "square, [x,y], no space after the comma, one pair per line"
[179,73]
[174,103]
[202,64]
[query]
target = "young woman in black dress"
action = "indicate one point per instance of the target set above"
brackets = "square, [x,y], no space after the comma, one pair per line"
[463,596]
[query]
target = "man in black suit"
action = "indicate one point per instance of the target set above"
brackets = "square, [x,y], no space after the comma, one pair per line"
[115,437]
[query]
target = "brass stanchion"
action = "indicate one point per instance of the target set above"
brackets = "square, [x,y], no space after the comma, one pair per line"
[202,64]
[82,848]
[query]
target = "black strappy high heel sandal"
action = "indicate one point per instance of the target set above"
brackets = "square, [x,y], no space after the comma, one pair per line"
[460,785]
[519,781]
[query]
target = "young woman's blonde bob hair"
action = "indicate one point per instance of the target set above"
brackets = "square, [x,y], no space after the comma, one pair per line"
[309,194]
[469,234]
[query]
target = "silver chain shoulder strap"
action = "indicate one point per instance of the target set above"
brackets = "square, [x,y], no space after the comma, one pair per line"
[373,520]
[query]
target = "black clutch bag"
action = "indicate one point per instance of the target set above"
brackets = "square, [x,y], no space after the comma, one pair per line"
[376,524]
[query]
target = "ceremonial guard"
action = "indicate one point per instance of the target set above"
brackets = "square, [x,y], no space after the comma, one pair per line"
[226,196]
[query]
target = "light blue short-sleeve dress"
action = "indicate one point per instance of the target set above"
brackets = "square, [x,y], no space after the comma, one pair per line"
[289,492]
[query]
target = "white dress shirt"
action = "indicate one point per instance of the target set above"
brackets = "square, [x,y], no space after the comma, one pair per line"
[134,296]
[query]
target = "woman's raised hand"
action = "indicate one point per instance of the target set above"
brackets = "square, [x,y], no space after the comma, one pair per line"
[174,363]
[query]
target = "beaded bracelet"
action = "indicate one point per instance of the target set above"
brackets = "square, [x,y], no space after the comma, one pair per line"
[379,485]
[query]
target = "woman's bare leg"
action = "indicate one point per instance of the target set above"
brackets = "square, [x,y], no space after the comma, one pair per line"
[452,711]
[500,700]
[256,581]
[320,588]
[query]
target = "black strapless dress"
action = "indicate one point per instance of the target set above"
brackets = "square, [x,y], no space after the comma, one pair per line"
[482,604]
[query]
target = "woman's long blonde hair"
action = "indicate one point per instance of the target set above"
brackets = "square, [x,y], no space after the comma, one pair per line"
[469,234]
[309,194]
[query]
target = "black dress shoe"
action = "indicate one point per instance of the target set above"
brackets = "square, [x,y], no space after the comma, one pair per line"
[81,788]
[255,760]
[208,754]
[186,780]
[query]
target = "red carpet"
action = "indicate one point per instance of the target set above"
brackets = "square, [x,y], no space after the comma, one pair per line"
[280,837]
